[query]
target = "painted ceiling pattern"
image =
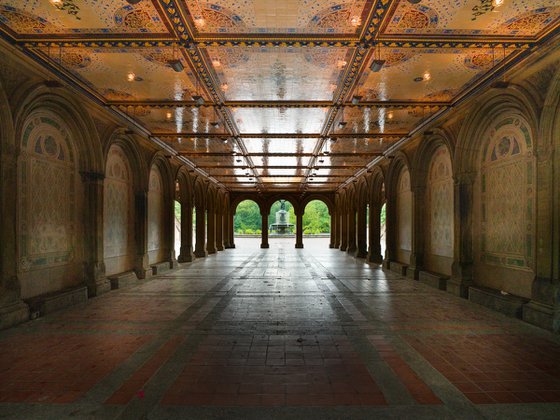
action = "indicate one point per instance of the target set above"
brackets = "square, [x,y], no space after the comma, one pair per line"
[278,95]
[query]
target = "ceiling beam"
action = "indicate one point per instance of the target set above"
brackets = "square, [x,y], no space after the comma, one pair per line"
[396,135]
[282,104]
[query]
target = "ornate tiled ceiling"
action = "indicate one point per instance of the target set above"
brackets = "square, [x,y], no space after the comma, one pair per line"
[278,95]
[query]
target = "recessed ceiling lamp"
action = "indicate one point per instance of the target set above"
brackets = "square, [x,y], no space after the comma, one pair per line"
[414,1]
[216,63]
[377,63]
[133,1]
[341,63]
[130,77]
[356,99]
[176,65]
[238,160]
[169,115]
[321,160]
[427,76]
[342,123]
[355,21]
[225,87]
[199,100]
[200,21]
[390,115]
[224,140]
[56,2]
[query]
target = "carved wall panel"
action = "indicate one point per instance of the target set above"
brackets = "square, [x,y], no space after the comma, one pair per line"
[439,213]
[404,217]
[118,213]
[155,217]
[47,206]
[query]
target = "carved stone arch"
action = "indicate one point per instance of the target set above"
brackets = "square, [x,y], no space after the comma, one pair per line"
[182,176]
[66,108]
[290,199]
[328,202]
[378,188]
[134,157]
[425,151]
[492,106]
[200,189]
[242,197]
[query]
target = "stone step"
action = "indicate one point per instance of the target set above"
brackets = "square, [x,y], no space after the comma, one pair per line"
[51,302]
[160,268]
[122,280]
[439,281]
[507,304]
[398,267]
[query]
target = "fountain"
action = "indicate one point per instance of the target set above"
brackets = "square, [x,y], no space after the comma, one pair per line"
[282,225]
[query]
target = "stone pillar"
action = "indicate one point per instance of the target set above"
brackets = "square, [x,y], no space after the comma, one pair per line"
[200,246]
[374,248]
[299,230]
[417,252]
[230,234]
[351,233]
[344,230]
[186,252]
[335,236]
[219,231]
[390,229]
[96,281]
[211,228]
[332,243]
[12,308]
[461,270]
[544,308]
[264,230]
[141,263]
[361,251]
[170,233]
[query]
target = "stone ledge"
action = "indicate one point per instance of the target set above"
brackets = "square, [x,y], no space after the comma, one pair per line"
[13,314]
[160,268]
[398,267]
[51,302]
[439,281]
[122,280]
[509,305]
[541,315]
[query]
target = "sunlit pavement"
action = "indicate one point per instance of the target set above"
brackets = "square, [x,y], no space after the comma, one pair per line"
[251,333]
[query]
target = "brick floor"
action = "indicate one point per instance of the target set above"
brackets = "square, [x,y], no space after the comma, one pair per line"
[263,331]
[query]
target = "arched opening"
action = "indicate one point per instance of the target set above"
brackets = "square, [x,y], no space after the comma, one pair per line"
[247,223]
[317,223]
[383,230]
[282,222]
[177,220]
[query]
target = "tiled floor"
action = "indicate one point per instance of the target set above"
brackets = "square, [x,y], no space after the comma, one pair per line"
[279,333]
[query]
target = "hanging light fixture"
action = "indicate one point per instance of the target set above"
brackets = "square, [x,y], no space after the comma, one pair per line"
[377,63]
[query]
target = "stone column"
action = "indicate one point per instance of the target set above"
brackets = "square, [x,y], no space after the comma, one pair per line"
[344,230]
[211,227]
[186,252]
[96,281]
[417,252]
[361,251]
[299,230]
[544,308]
[351,233]
[229,230]
[374,249]
[264,230]
[200,246]
[461,270]
[219,231]
[170,234]
[332,243]
[141,264]
[12,308]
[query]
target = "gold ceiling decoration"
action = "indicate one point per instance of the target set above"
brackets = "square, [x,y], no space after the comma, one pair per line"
[275,91]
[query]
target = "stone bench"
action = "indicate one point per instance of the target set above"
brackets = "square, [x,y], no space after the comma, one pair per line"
[122,280]
[51,302]
[398,267]
[439,281]
[507,304]
[160,268]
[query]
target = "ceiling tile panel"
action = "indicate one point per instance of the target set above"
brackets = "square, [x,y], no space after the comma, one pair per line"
[279,74]
[41,17]
[473,18]
[280,120]
[278,145]
[273,16]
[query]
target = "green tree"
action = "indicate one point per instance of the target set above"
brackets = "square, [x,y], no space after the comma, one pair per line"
[247,217]
[316,218]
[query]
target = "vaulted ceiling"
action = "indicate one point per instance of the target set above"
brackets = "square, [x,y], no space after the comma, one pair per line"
[290,96]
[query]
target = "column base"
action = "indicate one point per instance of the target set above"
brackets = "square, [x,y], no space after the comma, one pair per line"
[220,247]
[351,250]
[361,254]
[211,250]
[264,246]
[200,254]
[230,246]
[99,287]
[412,272]
[13,313]
[542,315]
[375,258]
[299,246]
[332,246]
[461,279]
[185,258]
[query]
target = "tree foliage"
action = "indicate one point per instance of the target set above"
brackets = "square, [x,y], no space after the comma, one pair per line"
[316,218]
[247,217]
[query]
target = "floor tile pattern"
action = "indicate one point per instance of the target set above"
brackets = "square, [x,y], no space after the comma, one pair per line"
[278,333]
